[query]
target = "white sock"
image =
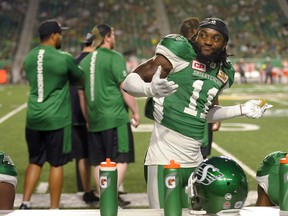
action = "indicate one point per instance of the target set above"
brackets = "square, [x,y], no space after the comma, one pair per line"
[27,203]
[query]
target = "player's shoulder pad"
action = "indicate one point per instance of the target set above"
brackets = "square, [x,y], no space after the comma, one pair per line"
[270,163]
[274,157]
[228,68]
[179,45]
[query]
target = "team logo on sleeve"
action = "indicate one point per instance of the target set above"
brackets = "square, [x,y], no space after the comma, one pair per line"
[222,76]
[198,66]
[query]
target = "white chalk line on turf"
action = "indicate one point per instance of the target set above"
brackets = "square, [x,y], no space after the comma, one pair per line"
[247,169]
[15,111]
[43,186]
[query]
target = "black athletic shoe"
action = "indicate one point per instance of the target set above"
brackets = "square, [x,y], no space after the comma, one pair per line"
[24,206]
[90,197]
[122,192]
[122,203]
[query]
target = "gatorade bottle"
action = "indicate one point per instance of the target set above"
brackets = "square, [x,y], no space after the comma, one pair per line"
[108,188]
[283,184]
[172,190]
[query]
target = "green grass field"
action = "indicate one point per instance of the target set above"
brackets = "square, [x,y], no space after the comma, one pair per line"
[249,146]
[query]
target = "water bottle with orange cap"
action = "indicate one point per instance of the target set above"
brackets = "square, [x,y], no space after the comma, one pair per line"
[283,184]
[108,188]
[172,190]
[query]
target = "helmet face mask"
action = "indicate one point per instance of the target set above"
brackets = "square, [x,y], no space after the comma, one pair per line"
[219,184]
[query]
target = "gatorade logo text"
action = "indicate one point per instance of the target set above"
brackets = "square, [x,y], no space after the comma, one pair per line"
[208,174]
[170,182]
[103,181]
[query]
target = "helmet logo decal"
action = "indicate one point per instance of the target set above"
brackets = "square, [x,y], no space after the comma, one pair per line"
[227,205]
[170,182]
[238,205]
[228,196]
[208,174]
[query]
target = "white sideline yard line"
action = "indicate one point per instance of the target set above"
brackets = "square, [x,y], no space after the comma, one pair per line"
[12,113]
[43,186]
[247,169]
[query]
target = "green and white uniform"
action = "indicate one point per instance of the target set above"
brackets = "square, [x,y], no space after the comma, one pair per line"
[48,72]
[105,104]
[8,172]
[268,175]
[180,118]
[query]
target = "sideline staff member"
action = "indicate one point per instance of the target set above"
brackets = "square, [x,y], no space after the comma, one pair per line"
[48,122]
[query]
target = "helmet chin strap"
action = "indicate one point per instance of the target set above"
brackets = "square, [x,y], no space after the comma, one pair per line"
[189,188]
[190,192]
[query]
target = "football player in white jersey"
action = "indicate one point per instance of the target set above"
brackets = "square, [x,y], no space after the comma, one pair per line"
[183,79]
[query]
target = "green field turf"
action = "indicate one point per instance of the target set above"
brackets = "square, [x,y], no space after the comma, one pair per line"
[248,146]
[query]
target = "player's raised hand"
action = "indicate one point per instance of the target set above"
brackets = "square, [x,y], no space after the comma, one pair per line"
[255,108]
[162,87]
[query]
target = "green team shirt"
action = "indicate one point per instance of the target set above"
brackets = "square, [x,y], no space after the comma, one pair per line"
[7,166]
[185,111]
[48,72]
[268,175]
[104,71]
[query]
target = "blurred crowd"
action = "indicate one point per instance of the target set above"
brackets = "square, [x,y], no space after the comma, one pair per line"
[258,28]
[255,71]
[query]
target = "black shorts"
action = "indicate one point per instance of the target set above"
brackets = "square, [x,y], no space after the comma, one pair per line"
[79,142]
[46,146]
[116,144]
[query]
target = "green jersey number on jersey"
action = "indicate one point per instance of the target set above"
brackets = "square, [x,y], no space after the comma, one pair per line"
[197,87]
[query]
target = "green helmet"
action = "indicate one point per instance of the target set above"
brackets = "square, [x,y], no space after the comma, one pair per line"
[218,184]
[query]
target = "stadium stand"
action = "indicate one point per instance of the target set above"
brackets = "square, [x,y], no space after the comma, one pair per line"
[131,20]
[11,16]
[258,28]
[11,20]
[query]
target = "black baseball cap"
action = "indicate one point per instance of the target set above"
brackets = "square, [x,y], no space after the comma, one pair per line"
[99,32]
[89,39]
[104,29]
[49,27]
[216,24]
